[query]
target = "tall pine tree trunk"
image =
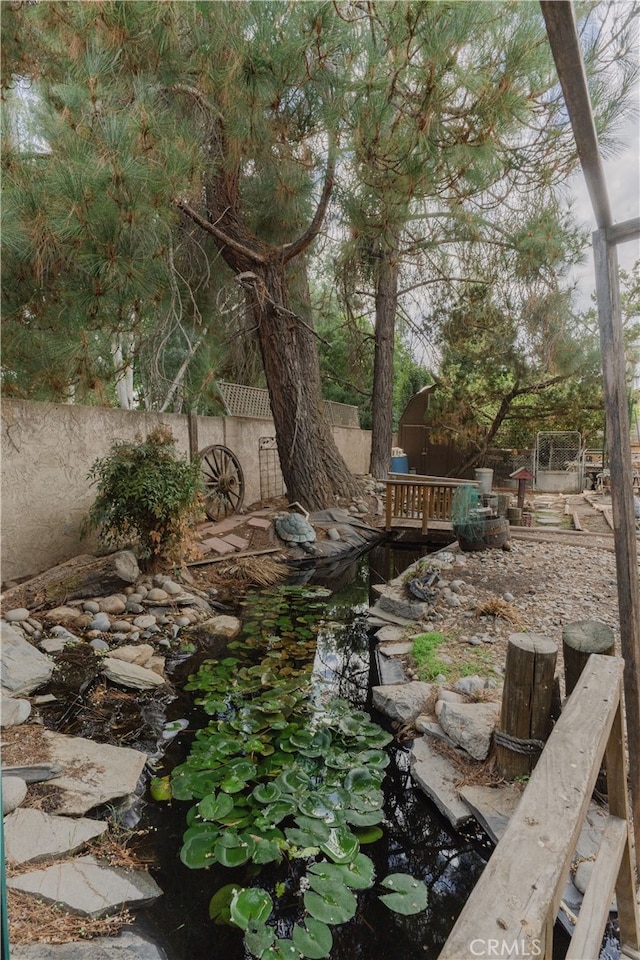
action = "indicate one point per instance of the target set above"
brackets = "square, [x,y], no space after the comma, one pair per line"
[382,396]
[314,471]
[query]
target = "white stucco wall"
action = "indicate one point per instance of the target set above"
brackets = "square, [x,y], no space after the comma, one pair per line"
[47,451]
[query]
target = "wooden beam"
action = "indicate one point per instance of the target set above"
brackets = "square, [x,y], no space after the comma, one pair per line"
[624,523]
[565,46]
[621,232]
[518,894]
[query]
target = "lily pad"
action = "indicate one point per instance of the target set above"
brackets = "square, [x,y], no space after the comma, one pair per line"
[215,807]
[220,904]
[409,895]
[250,905]
[342,846]
[314,940]
[266,792]
[232,849]
[335,905]
[359,874]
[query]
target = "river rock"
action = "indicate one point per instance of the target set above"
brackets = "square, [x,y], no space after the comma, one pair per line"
[114,605]
[403,701]
[223,626]
[17,615]
[145,622]
[13,710]
[130,674]
[31,835]
[391,634]
[470,725]
[157,595]
[14,790]
[23,668]
[86,888]
[101,622]
[130,653]
[470,685]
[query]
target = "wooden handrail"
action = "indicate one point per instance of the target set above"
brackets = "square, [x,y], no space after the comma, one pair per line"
[413,497]
[517,898]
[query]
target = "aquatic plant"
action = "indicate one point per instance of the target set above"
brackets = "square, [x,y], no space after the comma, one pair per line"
[283,771]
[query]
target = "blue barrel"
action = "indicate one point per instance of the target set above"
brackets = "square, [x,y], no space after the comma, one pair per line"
[400,464]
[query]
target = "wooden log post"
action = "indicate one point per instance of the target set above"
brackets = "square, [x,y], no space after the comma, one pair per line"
[579,641]
[525,720]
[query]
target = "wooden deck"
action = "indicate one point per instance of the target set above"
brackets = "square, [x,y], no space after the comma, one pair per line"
[423,503]
[515,903]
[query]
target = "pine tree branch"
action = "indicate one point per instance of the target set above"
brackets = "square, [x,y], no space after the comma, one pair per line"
[291,250]
[219,234]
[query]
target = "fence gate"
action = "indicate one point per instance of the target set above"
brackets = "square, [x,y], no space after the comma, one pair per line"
[271,479]
[558,463]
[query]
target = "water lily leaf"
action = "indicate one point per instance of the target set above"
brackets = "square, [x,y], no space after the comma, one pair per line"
[314,940]
[368,834]
[198,848]
[293,780]
[160,788]
[232,849]
[359,875]
[336,905]
[258,938]
[266,851]
[364,818]
[319,808]
[373,759]
[215,807]
[275,812]
[220,903]
[360,780]
[342,845]
[266,792]
[409,895]
[250,905]
[281,950]
[318,829]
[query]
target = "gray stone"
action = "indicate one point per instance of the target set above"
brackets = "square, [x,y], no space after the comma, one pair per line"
[403,701]
[172,588]
[138,596]
[101,646]
[469,685]
[56,644]
[436,777]
[23,667]
[13,711]
[145,622]
[394,602]
[470,725]
[390,634]
[223,626]
[101,622]
[114,605]
[17,615]
[427,726]
[126,946]
[453,601]
[134,653]
[14,790]
[31,835]
[450,696]
[157,595]
[508,597]
[34,772]
[61,613]
[92,773]
[396,649]
[492,807]
[91,606]
[582,879]
[88,889]
[130,674]
[390,670]
[134,607]
[121,626]
[333,534]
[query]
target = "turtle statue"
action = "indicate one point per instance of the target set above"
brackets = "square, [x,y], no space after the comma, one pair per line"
[294,528]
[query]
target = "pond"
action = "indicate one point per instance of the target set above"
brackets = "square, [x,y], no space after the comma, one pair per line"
[329,628]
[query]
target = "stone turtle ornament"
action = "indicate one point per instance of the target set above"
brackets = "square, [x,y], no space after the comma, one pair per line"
[294,528]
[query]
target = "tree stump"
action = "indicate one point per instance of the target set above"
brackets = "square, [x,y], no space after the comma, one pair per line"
[525,719]
[579,641]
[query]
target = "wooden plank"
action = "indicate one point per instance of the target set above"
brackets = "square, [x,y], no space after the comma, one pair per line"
[594,911]
[511,903]
[576,521]
[617,428]
[621,232]
[235,556]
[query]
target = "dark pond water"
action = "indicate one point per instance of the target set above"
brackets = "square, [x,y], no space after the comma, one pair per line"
[417,840]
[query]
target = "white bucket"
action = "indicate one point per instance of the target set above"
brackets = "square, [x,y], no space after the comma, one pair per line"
[485,478]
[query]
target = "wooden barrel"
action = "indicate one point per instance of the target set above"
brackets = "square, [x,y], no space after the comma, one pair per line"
[492,532]
[514,516]
[496,531]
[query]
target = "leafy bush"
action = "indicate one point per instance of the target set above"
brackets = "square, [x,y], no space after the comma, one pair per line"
[147,495]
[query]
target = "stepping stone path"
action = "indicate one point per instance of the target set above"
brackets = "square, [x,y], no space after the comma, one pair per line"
[31,835]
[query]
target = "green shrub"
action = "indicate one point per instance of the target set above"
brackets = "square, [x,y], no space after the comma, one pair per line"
[148,496]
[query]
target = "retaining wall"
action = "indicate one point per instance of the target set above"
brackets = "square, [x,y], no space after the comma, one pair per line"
[47,451]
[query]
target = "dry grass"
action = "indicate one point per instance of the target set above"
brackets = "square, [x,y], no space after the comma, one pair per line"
[31,920]
[499,608]
[254,571]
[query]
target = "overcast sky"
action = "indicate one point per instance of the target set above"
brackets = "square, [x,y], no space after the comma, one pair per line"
[623,186]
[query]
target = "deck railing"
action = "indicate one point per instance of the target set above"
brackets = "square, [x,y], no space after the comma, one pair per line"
[512,909]
[418,501]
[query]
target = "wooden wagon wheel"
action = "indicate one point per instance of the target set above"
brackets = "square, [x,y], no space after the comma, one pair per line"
[223,480]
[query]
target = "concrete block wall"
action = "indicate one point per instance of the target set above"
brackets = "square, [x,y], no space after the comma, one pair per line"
[48,449]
